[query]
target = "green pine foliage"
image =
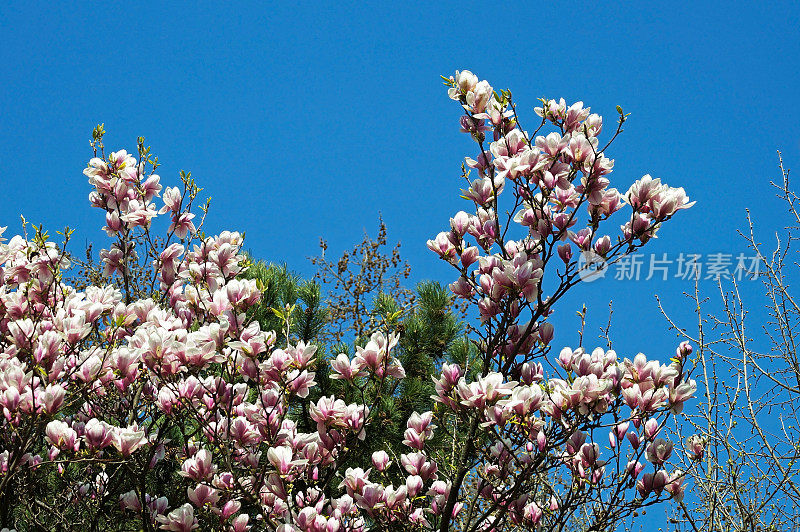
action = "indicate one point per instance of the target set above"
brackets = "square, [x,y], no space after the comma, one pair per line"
[430,334]
[282,292]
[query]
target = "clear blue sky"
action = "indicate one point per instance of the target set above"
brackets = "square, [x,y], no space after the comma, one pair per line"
[304,120]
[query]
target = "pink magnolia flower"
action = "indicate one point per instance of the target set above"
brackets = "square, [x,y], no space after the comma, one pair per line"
[652,482]
[172,200]
[182,225]
[240,523]
[199,467]
[464,82]
[300,382]
[565,253]
[469,256]
[62,435]
[460,223]
[683,351]
[380,459]
[355,479]
[112,261]
[443,246]
[675,485]
[695,447]
[202,495]
[344,368]
[477,98]
[552,109]
[230,508]
[281,459]
[181,519]
[634,468]
[139,213]
[371,498]
[151,187]
[651,428]
[130,501]
[602,245]
[376,356]
[668,201]
[553,144]
[52,398]
[659,451]
[485,390]
[98,434]
[680,394]
[128,440]
[481,191]
[462,288]
[642,190]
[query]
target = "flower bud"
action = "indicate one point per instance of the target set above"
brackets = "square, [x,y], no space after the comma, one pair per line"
[380,459]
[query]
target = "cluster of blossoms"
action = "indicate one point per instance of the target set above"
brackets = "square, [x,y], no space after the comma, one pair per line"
[541,431]
[155,398]
[550,178]
[538,424]
[105,393]
[128,201]
[373,359]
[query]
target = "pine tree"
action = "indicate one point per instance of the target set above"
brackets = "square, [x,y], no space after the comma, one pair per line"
[286,299]
[366,295]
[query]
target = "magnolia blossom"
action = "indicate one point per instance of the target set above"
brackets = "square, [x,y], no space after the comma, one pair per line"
[167,364]
[62,435]
[181,519]
[380,459]
[129,440]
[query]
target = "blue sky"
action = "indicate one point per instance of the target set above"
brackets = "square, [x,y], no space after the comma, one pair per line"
[304,120]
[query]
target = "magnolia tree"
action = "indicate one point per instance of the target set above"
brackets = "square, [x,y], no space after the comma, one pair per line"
[153,399]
